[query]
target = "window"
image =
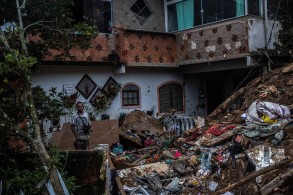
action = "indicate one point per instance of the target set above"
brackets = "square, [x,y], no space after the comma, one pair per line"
[180,15]
[253,7]
[141,11]
[130,95]
[96,12]
[171,97]
[183,14]
[272,9]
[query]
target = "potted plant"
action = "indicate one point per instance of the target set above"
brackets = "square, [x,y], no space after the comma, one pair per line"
[48,105]
[70,100]
[101,102]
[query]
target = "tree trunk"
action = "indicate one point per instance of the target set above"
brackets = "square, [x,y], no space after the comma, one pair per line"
[38,144]
[22,37]
[39,147]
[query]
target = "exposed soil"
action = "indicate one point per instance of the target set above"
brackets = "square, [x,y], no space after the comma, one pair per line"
[276,86]
[139,120]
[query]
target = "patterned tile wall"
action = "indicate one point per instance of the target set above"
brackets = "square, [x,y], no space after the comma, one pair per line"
[138,48]
[220,41]
[100,48]
[225,40]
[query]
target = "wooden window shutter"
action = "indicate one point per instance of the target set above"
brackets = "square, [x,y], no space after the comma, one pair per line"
[170,97]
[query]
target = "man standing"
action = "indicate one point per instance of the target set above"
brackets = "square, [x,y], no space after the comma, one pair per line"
[80,126]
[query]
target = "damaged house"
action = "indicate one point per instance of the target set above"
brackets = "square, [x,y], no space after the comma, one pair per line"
[181,57]
[187,55]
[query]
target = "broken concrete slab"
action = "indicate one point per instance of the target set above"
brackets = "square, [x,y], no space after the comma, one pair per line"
[263,156]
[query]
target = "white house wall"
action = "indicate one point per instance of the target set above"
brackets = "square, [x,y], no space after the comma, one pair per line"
[256,34]
[192,85]
[148,79]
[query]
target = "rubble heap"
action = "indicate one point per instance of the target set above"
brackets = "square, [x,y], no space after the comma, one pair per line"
[139,120]
[245,148]
[276,86]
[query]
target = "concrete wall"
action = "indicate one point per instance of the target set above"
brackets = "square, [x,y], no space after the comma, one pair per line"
[256,34]
[194,105]
[147,79]
[123,16]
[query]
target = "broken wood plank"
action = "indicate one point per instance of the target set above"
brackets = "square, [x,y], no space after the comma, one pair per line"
[117,180]
[254,175]
[220,139]
[278,181]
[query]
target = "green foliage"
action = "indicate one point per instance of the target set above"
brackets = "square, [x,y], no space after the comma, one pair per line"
[46,25]
[48,105]
[20,172]
[70,100]
[24,172]
[17,64]
[60,160]
[51,23]
[102,102]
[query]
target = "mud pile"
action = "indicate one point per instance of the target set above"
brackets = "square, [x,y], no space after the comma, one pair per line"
[138,120]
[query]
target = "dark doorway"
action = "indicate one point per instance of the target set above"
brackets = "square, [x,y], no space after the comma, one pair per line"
[215,94]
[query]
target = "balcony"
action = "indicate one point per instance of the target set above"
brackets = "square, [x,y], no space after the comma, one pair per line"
[133,47]
[229,39]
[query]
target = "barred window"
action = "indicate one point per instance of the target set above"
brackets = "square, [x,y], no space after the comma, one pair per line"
[130,95]
[171,97]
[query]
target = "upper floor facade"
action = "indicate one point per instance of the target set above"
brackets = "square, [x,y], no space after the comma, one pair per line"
[172,33]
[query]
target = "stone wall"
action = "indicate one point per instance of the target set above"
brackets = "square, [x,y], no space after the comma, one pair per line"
[123,16]
[213,42]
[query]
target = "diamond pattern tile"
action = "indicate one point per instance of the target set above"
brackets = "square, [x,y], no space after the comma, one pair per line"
[86,86]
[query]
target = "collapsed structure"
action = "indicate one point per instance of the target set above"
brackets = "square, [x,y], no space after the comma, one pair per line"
[245,146]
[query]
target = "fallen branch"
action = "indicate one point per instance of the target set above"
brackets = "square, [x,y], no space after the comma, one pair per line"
[254,175]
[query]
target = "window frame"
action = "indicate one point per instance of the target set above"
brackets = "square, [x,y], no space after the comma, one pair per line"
[159,98]
[167,3]
[80,12]
[137,14]
[138,96]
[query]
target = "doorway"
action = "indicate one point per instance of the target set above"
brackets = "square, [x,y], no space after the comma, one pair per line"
[215,92]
